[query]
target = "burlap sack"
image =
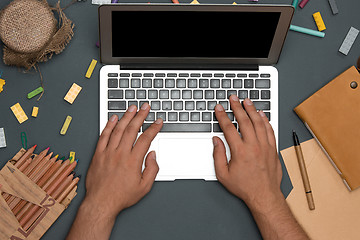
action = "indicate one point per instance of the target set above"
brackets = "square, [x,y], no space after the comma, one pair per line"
[31,34]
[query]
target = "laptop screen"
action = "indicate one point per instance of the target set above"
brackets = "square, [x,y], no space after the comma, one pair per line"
[206,34]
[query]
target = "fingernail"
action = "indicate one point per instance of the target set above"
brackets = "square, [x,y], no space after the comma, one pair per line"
[214,141]
[234,98]
[248,101]
[158,121]
[219,107]
[144,106]
[132,108]
[113,118]
[262,114]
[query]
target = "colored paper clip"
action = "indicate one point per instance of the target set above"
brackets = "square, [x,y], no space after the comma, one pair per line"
[307,31]
[66,125]
[319,21]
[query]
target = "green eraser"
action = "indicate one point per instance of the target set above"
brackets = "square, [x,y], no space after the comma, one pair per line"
[35,92]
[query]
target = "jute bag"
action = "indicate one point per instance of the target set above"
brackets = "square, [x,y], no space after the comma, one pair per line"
[31,34]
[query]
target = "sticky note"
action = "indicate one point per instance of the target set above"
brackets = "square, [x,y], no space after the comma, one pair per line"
[35,111]
[72,157]
[349,41]
[319,21]
[195,2]
[66,125]
[19,113]
[35,92]
[333,7]
[72,93]
[91,68]
[2,83]
[2,138]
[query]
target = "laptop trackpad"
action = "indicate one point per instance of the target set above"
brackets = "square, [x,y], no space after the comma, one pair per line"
[186,158]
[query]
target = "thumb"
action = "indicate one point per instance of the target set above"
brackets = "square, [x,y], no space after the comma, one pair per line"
[150,171]
[220,161]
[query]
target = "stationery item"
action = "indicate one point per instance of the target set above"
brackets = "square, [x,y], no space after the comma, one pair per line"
[337,210]
[2,138]
[91,68]
[304,175]
[175,1]
[35,92]
[25,156]
[194,2]
[333,120]
[349,41]
[35,111]
[303,3]
[72,157]
[15,183]
[333,7]
[295,3]
[2,83]
[19,113]
[100,2]
[307,31]
[114,1]
[23,140]
[72,93]
[319,21]
[66,125]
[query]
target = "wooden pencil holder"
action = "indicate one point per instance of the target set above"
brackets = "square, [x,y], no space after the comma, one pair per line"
[14,182]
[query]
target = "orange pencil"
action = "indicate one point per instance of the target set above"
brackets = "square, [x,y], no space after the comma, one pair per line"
[68,190]
[26,155]
[58,173]
[35,211]
[63,186]
[19,211]
[35,178]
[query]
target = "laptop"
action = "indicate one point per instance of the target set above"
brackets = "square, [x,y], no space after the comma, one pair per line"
[183,60]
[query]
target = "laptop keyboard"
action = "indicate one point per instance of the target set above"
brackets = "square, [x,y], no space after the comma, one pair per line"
[186,101]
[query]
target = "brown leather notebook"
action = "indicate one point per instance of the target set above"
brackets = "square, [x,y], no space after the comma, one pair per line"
[332,115]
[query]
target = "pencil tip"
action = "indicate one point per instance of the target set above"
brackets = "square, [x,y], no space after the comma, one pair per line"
[35,146]
[57,155]
[77,160]
[47,149]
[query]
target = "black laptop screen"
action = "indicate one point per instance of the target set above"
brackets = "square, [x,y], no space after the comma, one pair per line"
[193,34]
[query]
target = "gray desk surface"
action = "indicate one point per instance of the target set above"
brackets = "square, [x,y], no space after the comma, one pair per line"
[173,210]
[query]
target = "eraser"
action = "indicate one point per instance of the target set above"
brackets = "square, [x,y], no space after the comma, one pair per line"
[2,138]
[349,40]
[303,3]
[72,157]
[91,68]
[319,21]
[35,92]
[19,113]
[66,125]
[72,93]
[333,7]
[35,111]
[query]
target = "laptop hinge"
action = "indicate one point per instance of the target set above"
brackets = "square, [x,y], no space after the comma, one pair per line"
[152,66]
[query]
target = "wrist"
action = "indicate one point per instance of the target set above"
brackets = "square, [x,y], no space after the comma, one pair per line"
[97,209]
[267,203]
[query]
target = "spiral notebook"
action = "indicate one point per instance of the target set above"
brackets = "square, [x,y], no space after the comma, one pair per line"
[332,115]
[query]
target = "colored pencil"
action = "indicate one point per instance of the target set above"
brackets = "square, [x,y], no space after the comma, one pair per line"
[24,157]
[68,190]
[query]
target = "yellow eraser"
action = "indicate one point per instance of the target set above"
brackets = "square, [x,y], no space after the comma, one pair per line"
[72,93]
[195,2]
[35,111]
[66,125]
[72,157]
[91,68]
[319,21]
[19,113]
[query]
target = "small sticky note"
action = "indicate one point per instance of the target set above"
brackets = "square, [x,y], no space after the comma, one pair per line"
[72,93]
[66,125]
[195,2]
[35,92]
[35,111]
[19,113]
[349,41]
[2,83]
[2,138]
[72,157]
[91,68]
[319,21]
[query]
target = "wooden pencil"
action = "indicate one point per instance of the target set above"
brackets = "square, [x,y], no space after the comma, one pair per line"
[19,211]
[24,157]
[35,179]
[68,190]
[63,185]
[35,211]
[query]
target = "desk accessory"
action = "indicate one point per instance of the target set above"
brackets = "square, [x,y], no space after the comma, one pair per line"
[333,7]
[19,113]
[306,31]
[35,111]
[2,138]
[72,93]
[349,41]
[303,3]
[333,123]
[28,191]
[319,21]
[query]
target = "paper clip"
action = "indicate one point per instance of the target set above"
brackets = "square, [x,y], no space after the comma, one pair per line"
[23,140]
